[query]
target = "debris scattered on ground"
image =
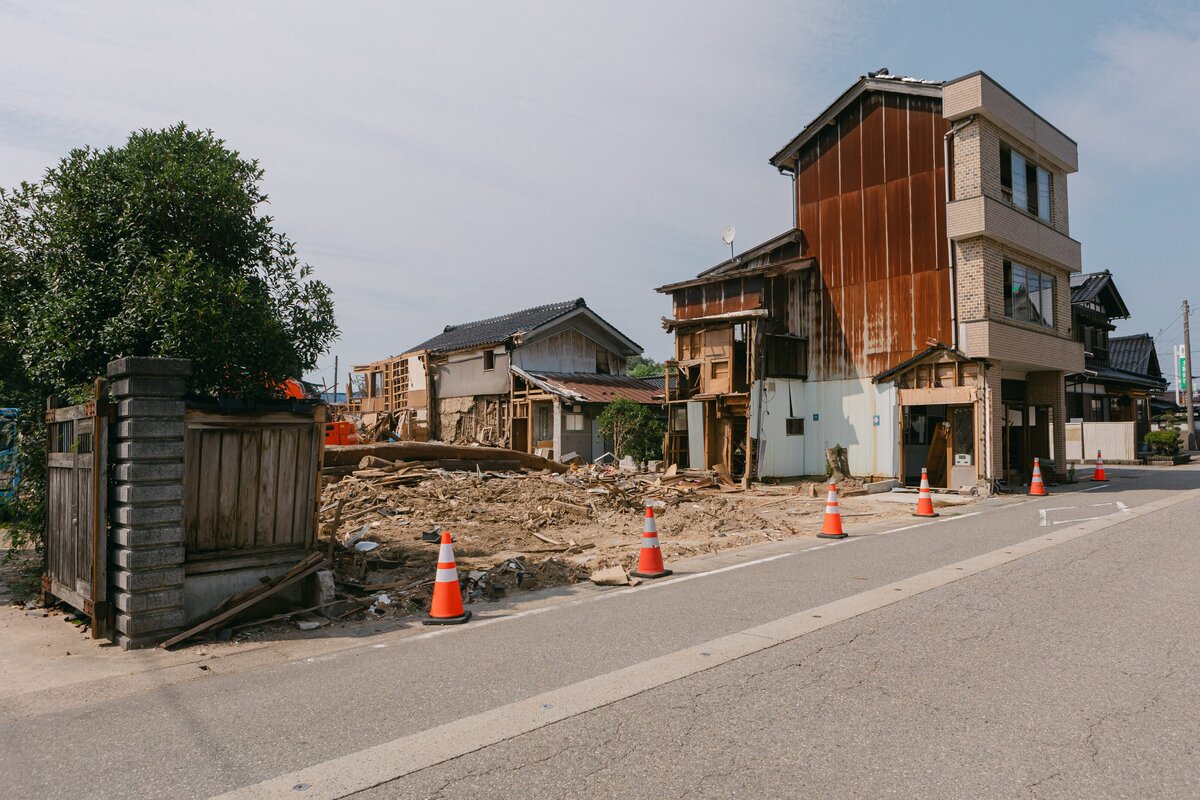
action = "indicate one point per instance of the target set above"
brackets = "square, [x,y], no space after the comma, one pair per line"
[520,528]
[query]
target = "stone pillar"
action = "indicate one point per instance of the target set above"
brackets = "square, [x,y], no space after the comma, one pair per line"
[146,513]
[1048,388]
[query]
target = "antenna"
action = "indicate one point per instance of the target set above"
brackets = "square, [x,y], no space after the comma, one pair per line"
[727,237]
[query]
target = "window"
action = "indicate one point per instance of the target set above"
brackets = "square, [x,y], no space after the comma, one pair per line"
[489,360]
[795,426]
[602,362]
[1025,185]
[573,422]
[543,422]
[787,357]
[1029,295]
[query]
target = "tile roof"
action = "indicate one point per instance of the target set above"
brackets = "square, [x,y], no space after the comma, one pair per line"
[496,329]
[1086,285]
[1134,354]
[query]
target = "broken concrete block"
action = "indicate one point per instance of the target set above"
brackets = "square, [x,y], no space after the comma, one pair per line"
[654,466]
[628,464]
[611,576]
[326,591]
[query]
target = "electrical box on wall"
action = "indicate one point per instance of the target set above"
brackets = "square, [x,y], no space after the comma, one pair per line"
[962,459]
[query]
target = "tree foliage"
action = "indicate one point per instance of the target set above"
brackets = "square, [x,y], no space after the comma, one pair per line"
[643,367]
[157,248]
[633,429]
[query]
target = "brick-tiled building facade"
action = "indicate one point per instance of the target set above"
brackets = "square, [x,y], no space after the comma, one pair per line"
[930,291]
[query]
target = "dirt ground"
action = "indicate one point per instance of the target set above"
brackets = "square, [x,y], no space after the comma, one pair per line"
[522,531]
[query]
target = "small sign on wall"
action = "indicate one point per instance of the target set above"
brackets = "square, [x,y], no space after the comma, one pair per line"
[875,420]
[816,417]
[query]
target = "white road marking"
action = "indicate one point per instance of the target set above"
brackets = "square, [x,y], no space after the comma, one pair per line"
[1045,521]
[358,771]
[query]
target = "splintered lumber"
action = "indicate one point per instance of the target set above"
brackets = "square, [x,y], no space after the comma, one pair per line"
[306,567]
[337,456]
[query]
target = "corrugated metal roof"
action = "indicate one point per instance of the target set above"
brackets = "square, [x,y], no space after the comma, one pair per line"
[496,329]
[582,387]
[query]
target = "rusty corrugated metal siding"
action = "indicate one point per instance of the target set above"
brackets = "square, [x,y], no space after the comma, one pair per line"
[871,202]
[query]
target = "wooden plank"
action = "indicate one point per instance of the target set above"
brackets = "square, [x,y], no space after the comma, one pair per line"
[302,509]
[268,468]
[250,446]
[233,611]
[208,498]
[227,510]
[200,419]
[69,413]
[285,496]
[192,458]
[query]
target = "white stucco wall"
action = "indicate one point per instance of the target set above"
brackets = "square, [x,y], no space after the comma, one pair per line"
[845,411]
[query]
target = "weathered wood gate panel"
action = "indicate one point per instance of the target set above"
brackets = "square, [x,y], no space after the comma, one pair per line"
[77,507]
[250,481]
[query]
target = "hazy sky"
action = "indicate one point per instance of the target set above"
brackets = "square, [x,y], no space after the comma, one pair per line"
[442,162]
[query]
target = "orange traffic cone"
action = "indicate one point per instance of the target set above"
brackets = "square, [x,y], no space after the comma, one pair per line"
[1098,473]
[1036,487]
[650,562]
[925,498]
[447,605]
[832,527]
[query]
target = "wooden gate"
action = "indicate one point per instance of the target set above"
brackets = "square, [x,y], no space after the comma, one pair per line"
[76,507]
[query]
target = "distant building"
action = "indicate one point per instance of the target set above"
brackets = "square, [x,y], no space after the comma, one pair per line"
[917,315]
[1109,402]
[534,380]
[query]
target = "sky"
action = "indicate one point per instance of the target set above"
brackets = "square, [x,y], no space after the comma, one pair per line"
[438,163]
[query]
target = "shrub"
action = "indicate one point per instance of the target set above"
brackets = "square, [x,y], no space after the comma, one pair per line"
[1164,442]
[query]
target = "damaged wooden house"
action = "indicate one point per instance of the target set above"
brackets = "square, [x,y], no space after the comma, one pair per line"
[533,380]
[917,313]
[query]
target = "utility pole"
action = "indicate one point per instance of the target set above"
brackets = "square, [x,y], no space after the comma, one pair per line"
[335,374]
[1187,371]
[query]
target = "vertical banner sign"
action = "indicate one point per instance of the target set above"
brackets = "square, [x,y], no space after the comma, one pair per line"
[1181,371]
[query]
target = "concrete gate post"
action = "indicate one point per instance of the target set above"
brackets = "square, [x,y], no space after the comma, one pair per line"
[146,512]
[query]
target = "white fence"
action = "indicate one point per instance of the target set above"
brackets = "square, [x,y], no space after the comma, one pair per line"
[1116,440]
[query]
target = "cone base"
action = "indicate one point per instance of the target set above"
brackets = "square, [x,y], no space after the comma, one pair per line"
[1039,494]
[651,575]
[1099,480]
[930,514]
[824,535]
[466,615]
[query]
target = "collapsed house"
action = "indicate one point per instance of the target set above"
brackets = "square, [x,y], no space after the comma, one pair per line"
[1109,403]
[533,380]
[917,313]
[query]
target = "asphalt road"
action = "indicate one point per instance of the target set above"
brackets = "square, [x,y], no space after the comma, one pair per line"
[1059,661]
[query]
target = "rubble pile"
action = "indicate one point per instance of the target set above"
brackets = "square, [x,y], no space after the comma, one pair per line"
[520,529]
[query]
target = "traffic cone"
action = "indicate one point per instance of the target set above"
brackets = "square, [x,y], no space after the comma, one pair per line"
[832,527]
[1098,473]
[1036,487]
[925,498]
[447,605]
[650,562]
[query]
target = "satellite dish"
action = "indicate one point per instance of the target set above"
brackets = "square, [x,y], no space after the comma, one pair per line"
[727,236]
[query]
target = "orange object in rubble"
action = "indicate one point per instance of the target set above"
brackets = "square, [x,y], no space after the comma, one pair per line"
[340,432]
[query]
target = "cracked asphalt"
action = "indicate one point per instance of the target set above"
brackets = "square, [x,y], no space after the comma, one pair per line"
[1071,672]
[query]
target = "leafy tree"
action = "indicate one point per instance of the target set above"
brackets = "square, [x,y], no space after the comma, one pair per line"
[642,367]
[155,248]
[633,429]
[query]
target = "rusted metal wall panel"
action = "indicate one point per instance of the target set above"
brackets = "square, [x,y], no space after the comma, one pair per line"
[871,203]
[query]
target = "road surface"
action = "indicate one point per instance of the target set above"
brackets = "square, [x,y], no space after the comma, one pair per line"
[1019,648]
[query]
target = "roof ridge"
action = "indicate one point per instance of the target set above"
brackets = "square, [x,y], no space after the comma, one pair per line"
[565,305]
